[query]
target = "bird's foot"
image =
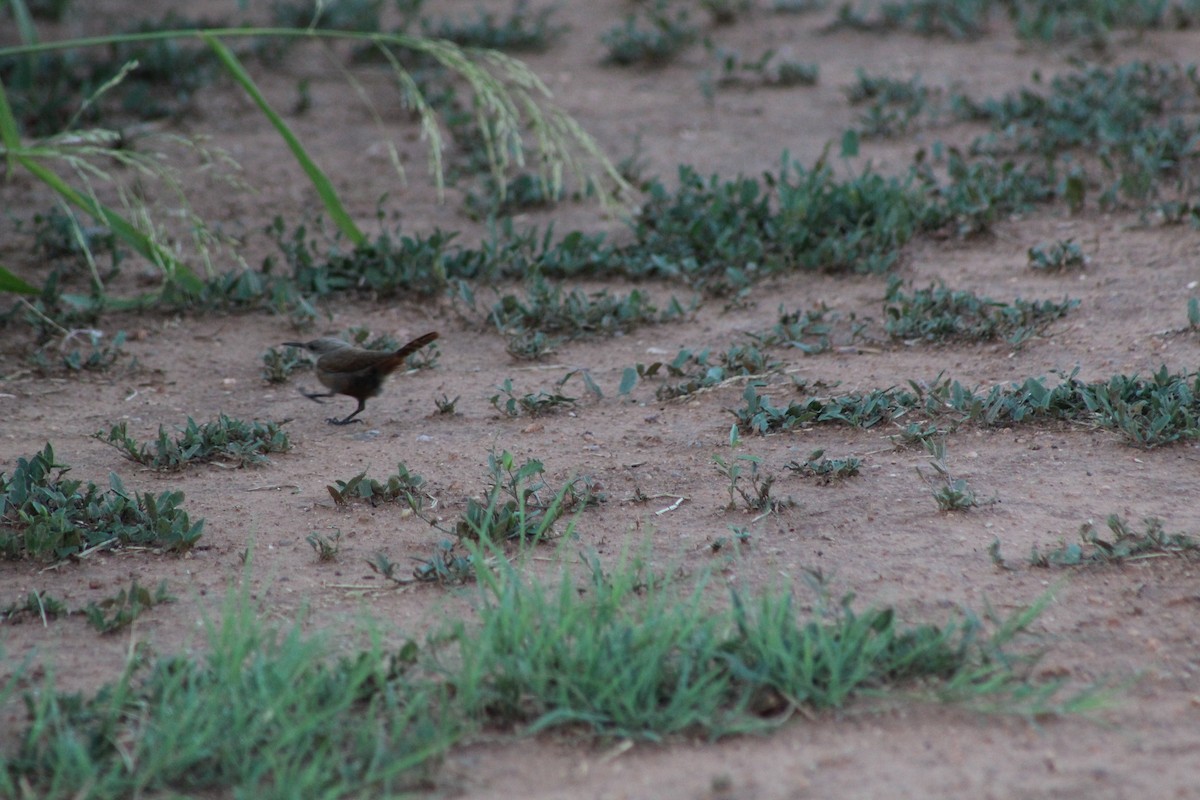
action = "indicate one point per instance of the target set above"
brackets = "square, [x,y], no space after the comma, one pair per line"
[347,421]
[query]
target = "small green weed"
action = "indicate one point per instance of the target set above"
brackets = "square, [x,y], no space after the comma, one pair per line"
[950,493]
[547,309]
[125,607]
[62,236]
[403,485]
[1125,544]
[95,356]
[756,497]
[1057,256]
[448,564]
[937,314]
[654,41]
[807,331]
[827,470]
[766,70]
[326,547]
[280,364]
[893,104]
[513,506]
[225,440]
[37,605]
[523,31]
[699,371]
[507,402]
[954,19]
[47,517]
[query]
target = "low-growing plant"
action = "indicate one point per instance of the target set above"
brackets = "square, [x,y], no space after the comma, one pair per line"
[766,70]
[36,604]
[521,31]
[403,485]
[744,468]
[950,493]
[654,41]
[517,504]
[279,364]
[227,440]
[45,516]
[449,563]
[96,355]
[115,613]
[827,470]
[1124,544]
[892,104]
[510,404]
[954,19]
[445,405]
[938,313]
[547,309]
[326,547]
[918,434]
[1057,256]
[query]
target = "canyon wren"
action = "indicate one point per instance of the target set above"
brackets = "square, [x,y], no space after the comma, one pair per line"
[345,369]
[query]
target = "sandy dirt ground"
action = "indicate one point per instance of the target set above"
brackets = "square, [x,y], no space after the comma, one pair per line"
[880,535]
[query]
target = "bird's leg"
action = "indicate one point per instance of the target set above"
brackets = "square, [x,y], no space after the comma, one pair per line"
[350,419]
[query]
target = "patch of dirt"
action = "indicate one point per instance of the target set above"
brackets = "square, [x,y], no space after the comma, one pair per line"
[879,535]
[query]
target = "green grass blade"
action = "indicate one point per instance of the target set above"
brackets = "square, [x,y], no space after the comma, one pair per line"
[10,136]
[11,283]
[24,21]
[122,227]
[316,175]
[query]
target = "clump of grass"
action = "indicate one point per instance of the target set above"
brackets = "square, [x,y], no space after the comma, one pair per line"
[939,313]
[402,485]
[227,440]
[626,653]
[622,652]
[118,612]
[1124,544]
[45,516]
[702,370]
[826,470]
[300,710]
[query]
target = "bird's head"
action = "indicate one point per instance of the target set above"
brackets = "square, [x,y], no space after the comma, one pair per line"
[320,346]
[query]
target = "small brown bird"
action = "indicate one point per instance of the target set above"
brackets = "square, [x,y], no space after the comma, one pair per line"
[345,369]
